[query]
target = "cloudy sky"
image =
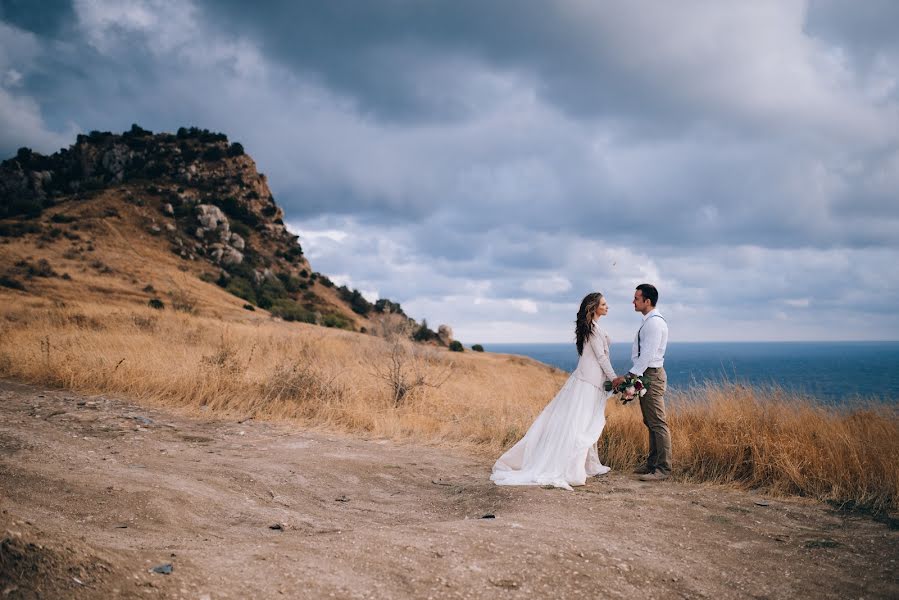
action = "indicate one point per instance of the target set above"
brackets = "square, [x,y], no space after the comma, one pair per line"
[488,163]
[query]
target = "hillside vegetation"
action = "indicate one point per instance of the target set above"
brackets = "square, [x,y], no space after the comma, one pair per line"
[136,209]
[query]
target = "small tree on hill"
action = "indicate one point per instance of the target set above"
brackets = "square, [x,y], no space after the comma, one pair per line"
[423,333]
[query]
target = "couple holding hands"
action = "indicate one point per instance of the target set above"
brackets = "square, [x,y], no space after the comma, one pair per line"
[559,449]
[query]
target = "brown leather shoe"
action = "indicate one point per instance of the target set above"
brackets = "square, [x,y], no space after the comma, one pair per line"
[644,470]
[654,476]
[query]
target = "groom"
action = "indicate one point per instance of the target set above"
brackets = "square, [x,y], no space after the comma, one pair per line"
[648,355]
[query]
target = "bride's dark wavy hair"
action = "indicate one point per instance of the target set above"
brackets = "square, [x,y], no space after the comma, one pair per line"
[583,326]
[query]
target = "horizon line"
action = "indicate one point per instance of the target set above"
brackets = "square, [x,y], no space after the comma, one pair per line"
[722,342]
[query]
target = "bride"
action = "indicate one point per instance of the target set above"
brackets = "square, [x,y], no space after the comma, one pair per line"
[559,449]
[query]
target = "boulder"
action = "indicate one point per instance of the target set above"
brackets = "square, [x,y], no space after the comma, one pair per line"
[445,334]
[231,257]
[213,223]
[115,160]
[15,183]
[212,217]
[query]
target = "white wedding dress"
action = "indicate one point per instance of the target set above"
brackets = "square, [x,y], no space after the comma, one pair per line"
[559,449]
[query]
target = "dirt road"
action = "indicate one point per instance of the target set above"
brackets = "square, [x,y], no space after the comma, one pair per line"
[95,492]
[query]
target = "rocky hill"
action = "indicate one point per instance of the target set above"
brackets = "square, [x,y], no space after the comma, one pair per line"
[191,194]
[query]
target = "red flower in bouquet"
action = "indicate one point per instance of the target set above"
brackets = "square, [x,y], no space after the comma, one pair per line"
[632,387]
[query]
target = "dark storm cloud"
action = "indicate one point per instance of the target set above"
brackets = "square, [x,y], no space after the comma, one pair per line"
[45,18]
[482,160]
[866,29]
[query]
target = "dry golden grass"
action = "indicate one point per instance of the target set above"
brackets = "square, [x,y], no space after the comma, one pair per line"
[330,379]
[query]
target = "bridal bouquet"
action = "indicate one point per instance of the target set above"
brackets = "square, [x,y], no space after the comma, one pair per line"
[632,387]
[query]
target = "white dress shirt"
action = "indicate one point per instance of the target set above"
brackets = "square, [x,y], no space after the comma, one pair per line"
[653,339]
[594,366]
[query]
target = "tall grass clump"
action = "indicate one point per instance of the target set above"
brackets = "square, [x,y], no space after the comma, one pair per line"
[771,440]
[326,378]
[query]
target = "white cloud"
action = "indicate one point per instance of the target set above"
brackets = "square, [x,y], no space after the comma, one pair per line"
[797,302]
[108,24]
[18,49]
[12,79]
[22,124]
[750,61]
[332,235]
[554,284]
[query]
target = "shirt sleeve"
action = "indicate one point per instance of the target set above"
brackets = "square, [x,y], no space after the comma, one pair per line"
[599,349]
[649,344]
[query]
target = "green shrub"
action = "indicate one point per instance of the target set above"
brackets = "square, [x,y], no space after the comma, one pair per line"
[241,229]
[204,135]
[156,303]
[51,234]
[291,311]
[291,284]
[188,152]
[17,205]
[383,305]
[249,307]
[213,153]
[270,291]
[241,288]
[337,321]
[294,253]
[235,149]
[424,333]
[235,209]
[41,269]
[456,346]
[11,283]
[477,348]
[137,131]
[355,299]
[323,279]
[18,229]
[99,136]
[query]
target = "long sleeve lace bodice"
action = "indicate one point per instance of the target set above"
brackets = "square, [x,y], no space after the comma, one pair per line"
[594,365]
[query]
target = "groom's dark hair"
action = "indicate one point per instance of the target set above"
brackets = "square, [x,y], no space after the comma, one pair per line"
[649,292]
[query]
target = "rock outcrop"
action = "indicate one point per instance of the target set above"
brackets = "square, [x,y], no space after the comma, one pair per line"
[445,335]
[204,196]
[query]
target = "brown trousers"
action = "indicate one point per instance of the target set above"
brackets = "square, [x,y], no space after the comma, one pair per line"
[652,405]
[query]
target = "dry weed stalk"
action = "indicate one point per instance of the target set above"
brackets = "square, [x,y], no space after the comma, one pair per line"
[183,300]
[407,368]
[391,326]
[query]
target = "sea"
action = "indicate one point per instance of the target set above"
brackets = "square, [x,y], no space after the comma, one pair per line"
[831,372]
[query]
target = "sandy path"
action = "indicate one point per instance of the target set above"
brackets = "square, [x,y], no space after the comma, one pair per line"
[95,491]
